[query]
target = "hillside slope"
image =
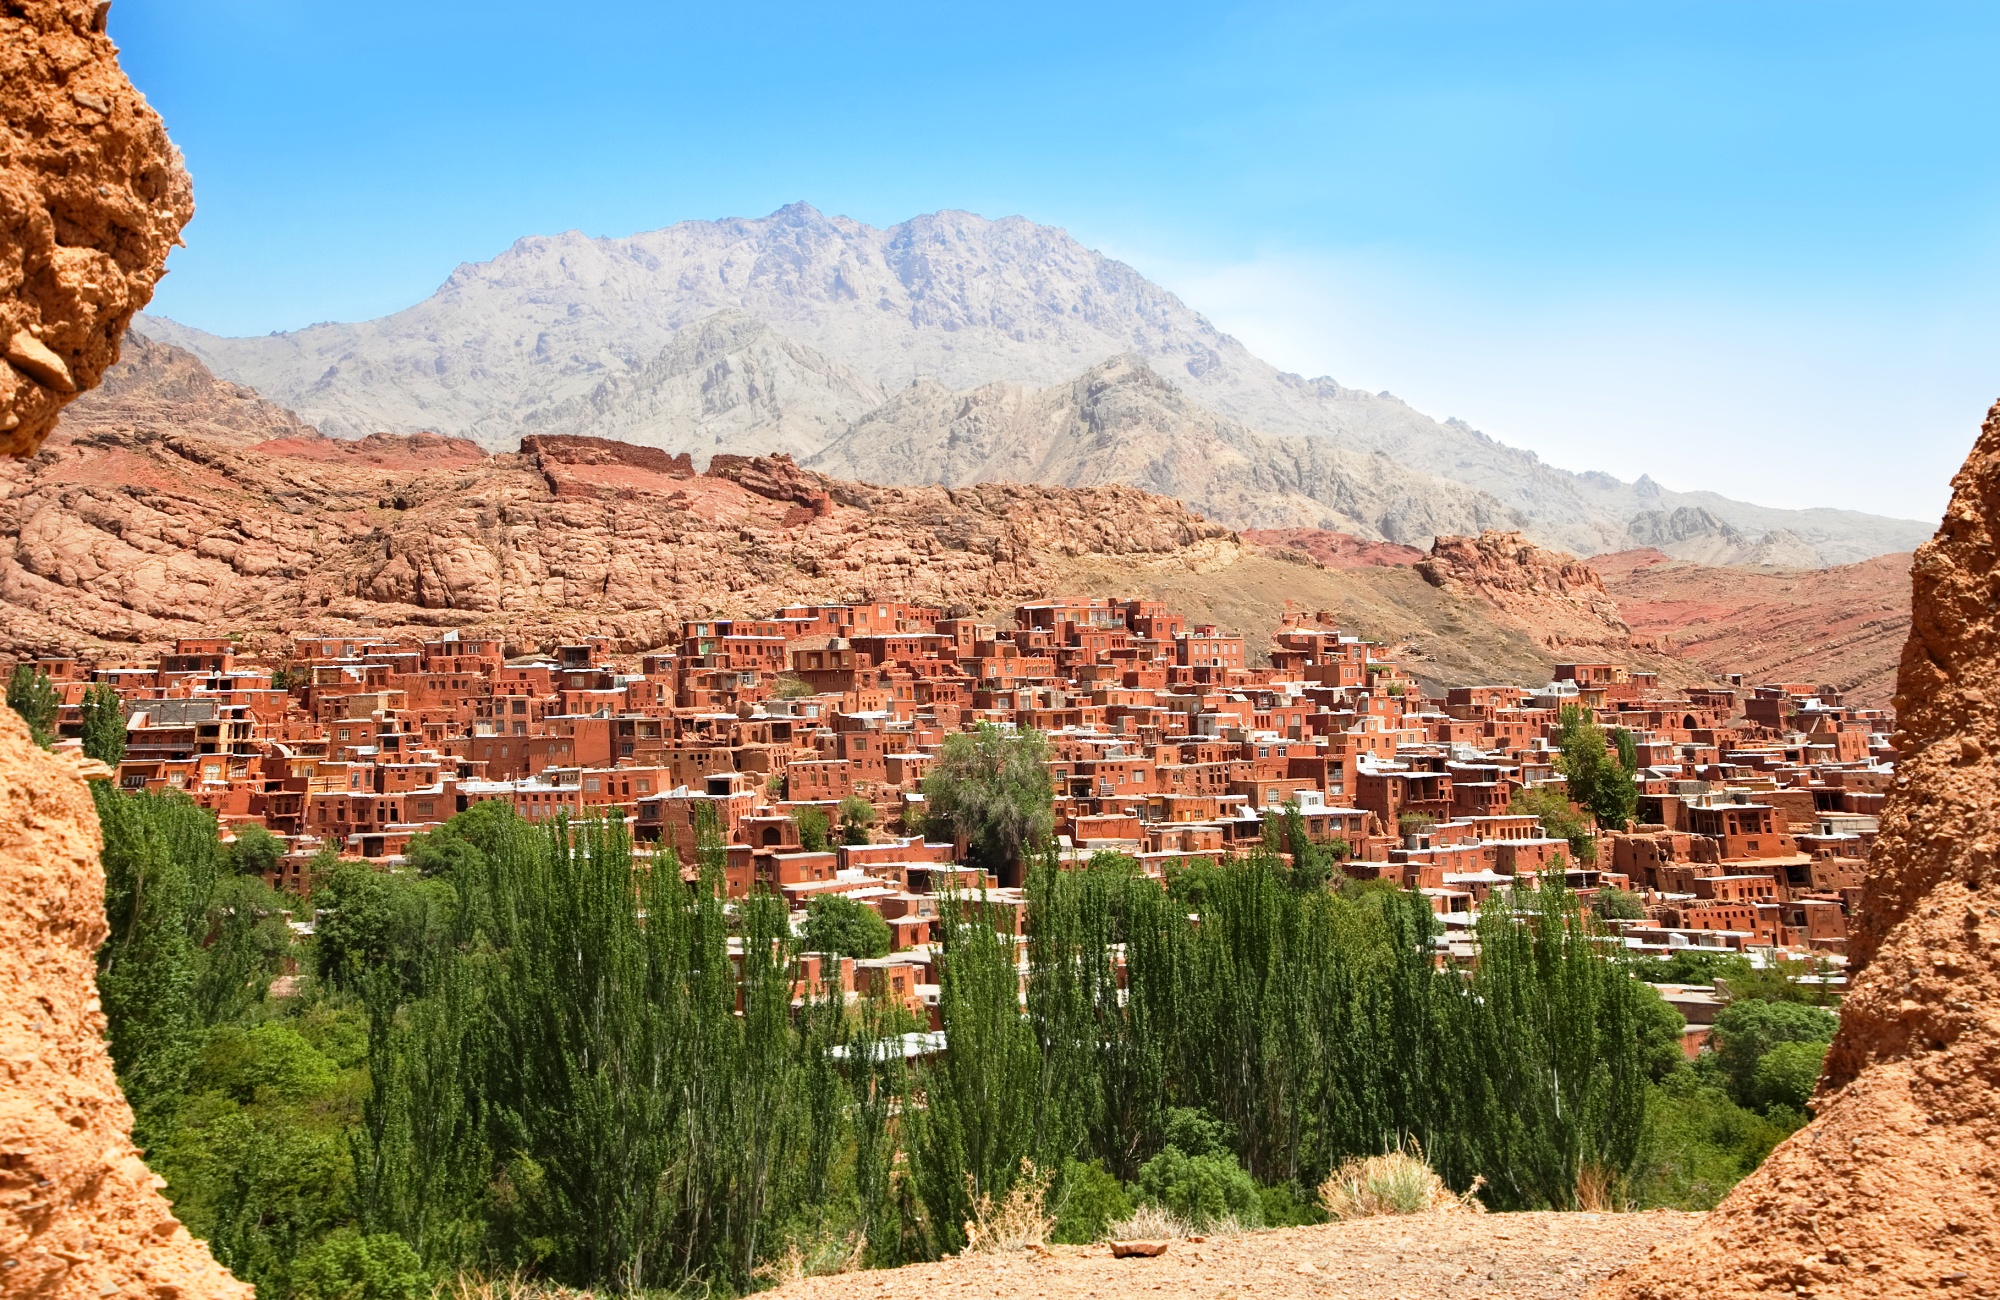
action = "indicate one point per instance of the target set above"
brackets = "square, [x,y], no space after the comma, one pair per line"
[139,538]
[175,504]
[1120,422]
[1843,626]
[531,338]
[171,503]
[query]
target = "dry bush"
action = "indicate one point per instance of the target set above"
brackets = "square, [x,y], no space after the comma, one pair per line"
[1021,1221]
[1600,1191]
[1152,1223]
[822,1256]
[514,1286]
[1398,1182]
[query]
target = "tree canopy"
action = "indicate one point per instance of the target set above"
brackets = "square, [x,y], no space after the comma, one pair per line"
[1599,783]
[30,694]
[845,927]
[991,788]
[104,724]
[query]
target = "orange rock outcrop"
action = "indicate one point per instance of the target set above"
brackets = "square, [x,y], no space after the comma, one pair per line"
[81,1217]
[1553,596]
[1894,1188]
[92,196]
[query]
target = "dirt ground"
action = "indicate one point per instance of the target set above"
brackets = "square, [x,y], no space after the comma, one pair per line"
[1490,1256]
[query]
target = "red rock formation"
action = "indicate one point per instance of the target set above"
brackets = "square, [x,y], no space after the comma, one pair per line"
[81,1217]
[567,449]
[1894,1188]
[129,534]
[1556,597]
[92,196]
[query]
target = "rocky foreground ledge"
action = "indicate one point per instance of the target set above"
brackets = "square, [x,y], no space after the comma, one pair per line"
[1417,1257]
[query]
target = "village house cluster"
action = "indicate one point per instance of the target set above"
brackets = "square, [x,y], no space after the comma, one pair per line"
[1758,804]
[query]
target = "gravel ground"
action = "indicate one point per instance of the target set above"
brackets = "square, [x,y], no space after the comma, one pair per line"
[1525,1256]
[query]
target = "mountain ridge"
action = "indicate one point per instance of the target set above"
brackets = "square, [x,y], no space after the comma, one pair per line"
[510,345]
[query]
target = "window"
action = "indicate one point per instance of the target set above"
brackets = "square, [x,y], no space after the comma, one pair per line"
[645,785]
[590,784]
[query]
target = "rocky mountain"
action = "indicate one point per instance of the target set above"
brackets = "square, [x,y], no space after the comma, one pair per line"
[157,390]
[1694,533]
[566,333]
[1120,422]
[726,383]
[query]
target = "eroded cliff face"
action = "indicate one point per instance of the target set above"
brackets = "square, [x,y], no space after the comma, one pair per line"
[1894,1188]
[92,196]
[81,1217]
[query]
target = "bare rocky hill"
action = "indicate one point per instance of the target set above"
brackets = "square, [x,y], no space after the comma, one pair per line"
[174,504]
[570,334]
[1120,422]
[138,538]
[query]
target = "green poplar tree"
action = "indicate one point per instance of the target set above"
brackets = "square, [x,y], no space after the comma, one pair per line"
[104,724]
[30,694]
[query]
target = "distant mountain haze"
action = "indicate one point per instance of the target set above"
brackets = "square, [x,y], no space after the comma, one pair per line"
[953,349]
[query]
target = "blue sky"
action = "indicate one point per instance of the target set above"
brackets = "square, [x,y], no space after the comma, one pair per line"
[1753,247]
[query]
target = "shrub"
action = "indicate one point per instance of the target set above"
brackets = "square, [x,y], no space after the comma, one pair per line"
[1785,1075]
[256,851]
[856,816]
[1283,1207]
[1019,1221]
[1196,1132]
[271,1060]
[1091,1201]
[1201,1190]
[1616,904]
[814,835]
[1397,1182]
[1699,1144]
[1560,819]
[1746,1031]
[349,1266]
[1149,1223]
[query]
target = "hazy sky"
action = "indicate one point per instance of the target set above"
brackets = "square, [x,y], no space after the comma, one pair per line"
[1749,247]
